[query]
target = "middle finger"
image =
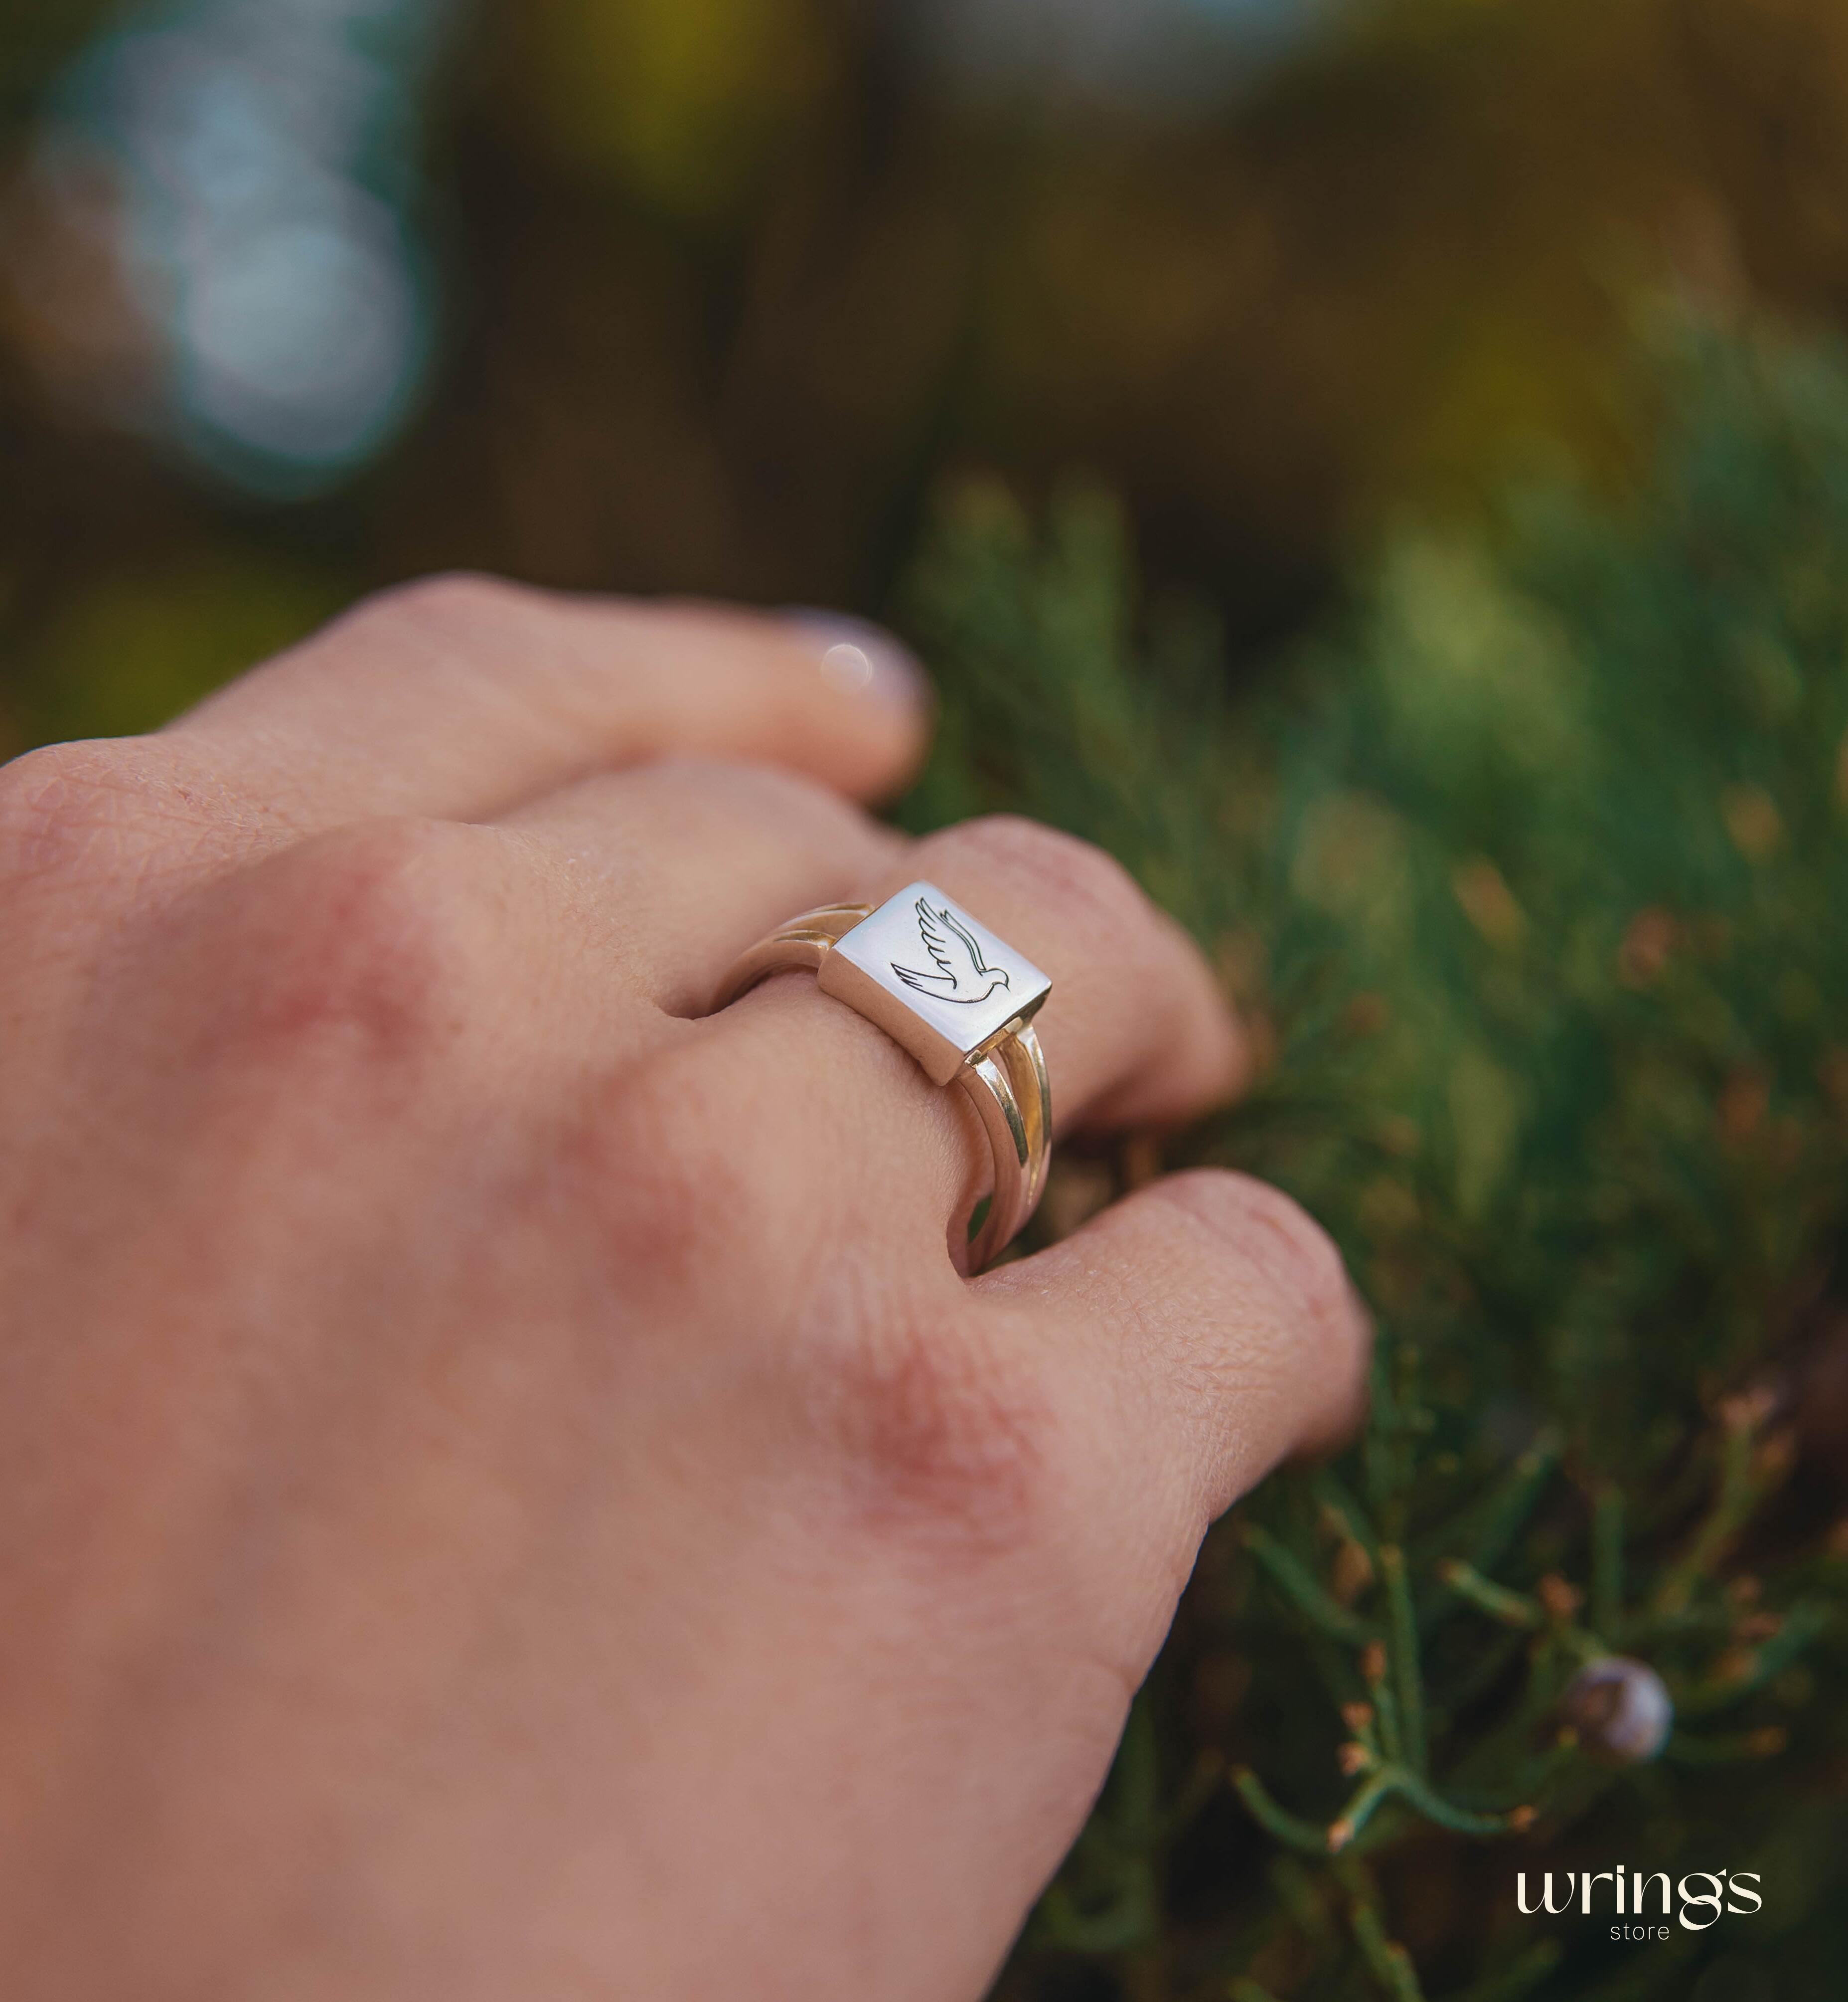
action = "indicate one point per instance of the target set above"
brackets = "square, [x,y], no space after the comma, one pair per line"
[691,860]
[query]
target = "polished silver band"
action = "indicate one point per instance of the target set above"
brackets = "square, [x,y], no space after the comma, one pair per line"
[961,1002]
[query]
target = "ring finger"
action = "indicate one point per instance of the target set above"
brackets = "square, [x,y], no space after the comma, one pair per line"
[691,861]
[1134,1030]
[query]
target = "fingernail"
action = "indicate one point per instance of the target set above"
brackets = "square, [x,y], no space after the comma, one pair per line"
[861,658]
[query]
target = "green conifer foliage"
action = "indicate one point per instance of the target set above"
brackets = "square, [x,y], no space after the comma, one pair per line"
[1530,873]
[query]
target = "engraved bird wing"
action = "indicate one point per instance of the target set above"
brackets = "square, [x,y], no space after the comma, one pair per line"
[977,964]
[946,953]
[935,944]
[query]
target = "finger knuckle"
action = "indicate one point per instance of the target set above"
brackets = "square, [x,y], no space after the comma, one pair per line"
[687,1161]
[1270,1235]
[772,797]
[368,945]
[448,606]
[722,799]
[945,1436]
[70,810]
[925,1425]
[1079,878]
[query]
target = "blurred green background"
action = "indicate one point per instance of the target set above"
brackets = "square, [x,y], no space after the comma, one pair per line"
[301,296]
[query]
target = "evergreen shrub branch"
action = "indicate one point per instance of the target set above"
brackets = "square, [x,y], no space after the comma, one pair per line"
[1529,873]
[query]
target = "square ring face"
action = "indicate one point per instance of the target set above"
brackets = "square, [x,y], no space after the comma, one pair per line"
[935,979]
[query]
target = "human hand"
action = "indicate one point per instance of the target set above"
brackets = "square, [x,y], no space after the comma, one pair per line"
[503,1490]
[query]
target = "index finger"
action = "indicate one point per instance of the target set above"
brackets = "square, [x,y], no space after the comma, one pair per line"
[462,696]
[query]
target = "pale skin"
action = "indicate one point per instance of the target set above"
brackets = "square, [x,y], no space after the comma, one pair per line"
[504,1489]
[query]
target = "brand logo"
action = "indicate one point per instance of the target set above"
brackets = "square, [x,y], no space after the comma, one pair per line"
[1694,1902]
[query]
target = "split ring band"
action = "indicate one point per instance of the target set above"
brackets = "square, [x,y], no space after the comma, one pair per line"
[958,999]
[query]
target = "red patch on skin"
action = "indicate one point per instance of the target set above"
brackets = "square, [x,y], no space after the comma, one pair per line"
[943,1439]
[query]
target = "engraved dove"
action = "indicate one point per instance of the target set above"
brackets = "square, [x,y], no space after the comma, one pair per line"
[963,975]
